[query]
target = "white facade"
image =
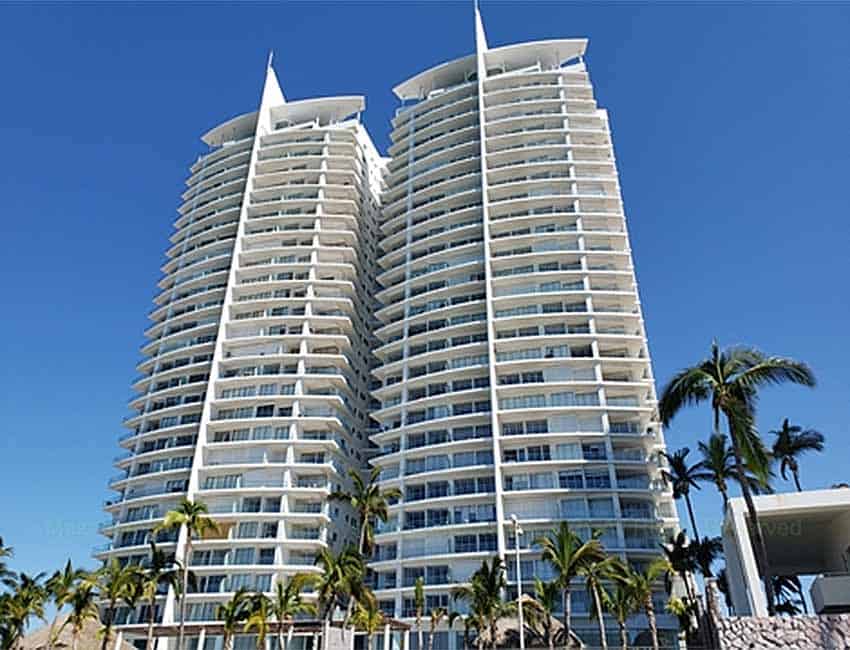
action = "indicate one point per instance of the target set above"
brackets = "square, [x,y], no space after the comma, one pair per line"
[254,389]
[515,376]
[806,534]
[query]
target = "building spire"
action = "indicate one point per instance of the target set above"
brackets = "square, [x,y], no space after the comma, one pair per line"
[272,94]
[480,36]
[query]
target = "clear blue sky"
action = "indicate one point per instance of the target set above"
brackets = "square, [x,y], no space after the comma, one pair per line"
[730,125]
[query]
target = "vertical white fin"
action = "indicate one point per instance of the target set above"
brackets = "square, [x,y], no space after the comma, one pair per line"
[480,36]
[272,94]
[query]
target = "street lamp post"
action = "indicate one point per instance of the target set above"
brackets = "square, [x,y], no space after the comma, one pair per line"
[517,533]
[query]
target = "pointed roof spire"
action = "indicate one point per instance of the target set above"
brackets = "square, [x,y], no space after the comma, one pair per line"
[272,94]
[480,36]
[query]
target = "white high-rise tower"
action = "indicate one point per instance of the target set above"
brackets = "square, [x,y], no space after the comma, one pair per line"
[253,396]
[515,377]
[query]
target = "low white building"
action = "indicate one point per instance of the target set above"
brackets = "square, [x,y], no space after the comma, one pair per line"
[806,534]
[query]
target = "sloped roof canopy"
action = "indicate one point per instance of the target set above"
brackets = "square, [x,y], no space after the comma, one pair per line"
[236,128]
[327,109]
[549,53]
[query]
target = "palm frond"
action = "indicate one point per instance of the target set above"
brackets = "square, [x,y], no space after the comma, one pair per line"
[688,387]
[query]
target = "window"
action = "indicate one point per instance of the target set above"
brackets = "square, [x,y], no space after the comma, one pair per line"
[414,520]
[486,484]
[598,479]
[251,504]
[438,517]
[247,530]
[601,508]
[571,480]
[539,453]
[573,509]
[437,490]
[437,575]
[225,482]
[414,492]
[512,429]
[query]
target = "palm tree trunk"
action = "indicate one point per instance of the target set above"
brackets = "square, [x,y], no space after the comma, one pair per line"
[760,549]
[796,473]
[568,617]
[151,616]
[419,630]
[363,537]
[653,626]
[50,631]
[75,637]
[691,515]
[603,642]
[624,637]
[186,558]
[281,641]
[107,624]
[724,492]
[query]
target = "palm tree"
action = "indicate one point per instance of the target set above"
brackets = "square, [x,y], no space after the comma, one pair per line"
[541,610]
[718,461]
[419,605]
[791,442]
[680,557]
[27,600]
[157,571]
[723,588]
[115,584]
[437,615]
[789,594]
[369,618]
[705,552]
[341,581]
[483,595]
[621,603]
[731,379]
[5,573]
[83,607]
[595,574]
[640,583]
[231,614]
[258,613]
[191,515]
[60,586]
[370,502]
[686,611]
[683,477]
[287,602]
[467,626]
[567,554]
